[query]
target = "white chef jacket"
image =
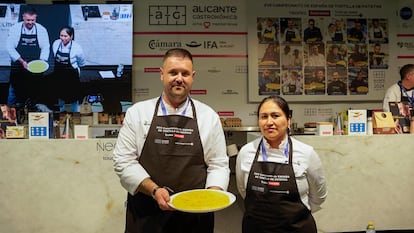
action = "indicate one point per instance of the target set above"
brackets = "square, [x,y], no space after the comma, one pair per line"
[316,60]
[77,57]
[393,94]
[307,166]
[135,128]
[14,38]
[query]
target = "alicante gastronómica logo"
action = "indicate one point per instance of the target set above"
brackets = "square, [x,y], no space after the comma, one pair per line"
[406,13]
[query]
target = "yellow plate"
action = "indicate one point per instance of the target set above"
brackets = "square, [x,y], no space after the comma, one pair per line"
[268,63]
[37,66]
[362,89]
[361,63]
[353,39]
[201,200]
[341,63]
[273,86]
[315,86]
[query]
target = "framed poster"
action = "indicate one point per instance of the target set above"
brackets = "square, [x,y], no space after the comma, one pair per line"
[318,52]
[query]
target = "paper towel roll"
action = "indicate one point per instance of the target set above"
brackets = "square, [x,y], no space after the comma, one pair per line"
[232,150]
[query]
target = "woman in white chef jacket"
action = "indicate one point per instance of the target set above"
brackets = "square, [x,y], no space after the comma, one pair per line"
[68,58]
[280,178]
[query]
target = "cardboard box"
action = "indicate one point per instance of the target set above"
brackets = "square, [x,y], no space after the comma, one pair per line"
[401,114]
[357,122]
[16,132]
[82,132]
[324,128]
[383,123]
[40,125]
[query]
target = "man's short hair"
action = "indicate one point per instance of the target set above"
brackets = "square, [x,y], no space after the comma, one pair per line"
[30,10]
[405,70]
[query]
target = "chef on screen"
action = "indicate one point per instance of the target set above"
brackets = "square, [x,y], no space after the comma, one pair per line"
[27,41]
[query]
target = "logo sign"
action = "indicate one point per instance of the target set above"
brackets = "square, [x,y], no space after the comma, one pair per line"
[406,13]
[167,15]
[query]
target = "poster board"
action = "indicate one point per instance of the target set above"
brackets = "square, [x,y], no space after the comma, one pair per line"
[296,40]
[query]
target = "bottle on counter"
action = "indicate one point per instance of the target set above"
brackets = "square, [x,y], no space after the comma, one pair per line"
[56,129]
[338,125]
[344,115]
[370,228]
[119,70]
[370,130]
[68,129]
[85,13]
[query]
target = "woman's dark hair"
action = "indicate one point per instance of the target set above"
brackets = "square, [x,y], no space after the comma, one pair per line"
[282,103]
[69,30]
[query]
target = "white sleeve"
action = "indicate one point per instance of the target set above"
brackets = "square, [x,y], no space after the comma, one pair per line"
[241,178]
[126,165]
[244,162]
[79,56]
[13,40]
[390,96]
[214,146]
[44,43]
[317,182]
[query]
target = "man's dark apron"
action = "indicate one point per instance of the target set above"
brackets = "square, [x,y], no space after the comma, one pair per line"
[405,97]
[173,156]
[378,34]
[66,78]
[24,82]
[406,100]
[338,36]
[290,35]
[292,88]
[272,202]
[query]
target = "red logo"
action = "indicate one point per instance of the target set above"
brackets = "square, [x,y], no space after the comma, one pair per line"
[273,183]
[179,135]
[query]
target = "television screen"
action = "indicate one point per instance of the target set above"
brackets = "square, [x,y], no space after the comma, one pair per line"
[59,56]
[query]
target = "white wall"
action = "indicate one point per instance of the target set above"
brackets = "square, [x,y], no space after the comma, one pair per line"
[226,81]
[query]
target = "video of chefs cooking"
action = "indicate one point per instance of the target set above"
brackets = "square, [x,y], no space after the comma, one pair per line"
[57,57]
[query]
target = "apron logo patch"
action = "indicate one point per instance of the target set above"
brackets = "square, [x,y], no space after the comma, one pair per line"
[256,188]
[176,135]
[161,141]
[273,183]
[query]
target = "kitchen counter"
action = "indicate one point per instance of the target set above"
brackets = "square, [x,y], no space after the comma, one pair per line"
[70,185]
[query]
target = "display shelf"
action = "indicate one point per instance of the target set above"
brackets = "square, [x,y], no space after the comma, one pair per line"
[242,129]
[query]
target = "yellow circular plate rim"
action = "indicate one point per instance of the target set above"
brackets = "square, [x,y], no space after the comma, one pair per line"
[232,199]
[41,61]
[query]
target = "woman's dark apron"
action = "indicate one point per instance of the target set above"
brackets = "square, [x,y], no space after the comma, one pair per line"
[173,156]
[292,88]
[66,78]
[272,202]
[25,83]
